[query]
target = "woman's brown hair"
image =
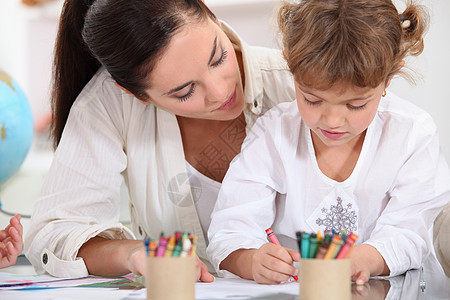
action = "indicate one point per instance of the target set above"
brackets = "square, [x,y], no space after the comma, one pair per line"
[359,42]
[125,36]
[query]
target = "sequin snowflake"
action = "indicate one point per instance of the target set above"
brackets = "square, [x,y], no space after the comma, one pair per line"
[338,217]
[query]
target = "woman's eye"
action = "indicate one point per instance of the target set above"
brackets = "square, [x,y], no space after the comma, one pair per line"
[188,94]
[221,59]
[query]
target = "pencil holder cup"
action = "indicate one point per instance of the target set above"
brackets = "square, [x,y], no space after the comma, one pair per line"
[170,278]
[325,279]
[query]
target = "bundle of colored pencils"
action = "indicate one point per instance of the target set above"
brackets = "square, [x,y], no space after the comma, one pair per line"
[332,246]
[180,244]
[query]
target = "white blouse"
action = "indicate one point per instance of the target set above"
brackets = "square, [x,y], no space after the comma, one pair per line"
[399,184]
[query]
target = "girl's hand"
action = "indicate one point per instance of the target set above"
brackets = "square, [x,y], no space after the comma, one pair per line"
[273,264]
[11,243]
[366,261]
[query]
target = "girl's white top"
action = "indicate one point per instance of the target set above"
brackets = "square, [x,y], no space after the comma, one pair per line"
[109,138]
[398,186]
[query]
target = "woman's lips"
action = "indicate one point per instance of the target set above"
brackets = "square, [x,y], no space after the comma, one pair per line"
[229,103]
[332,135]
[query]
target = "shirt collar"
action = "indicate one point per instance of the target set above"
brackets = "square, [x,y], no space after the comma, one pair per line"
[253,90]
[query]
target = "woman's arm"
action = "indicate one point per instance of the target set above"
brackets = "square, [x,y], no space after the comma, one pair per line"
[113,257]
[118,257]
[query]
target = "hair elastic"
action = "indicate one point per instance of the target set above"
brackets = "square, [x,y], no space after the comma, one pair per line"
[404,23]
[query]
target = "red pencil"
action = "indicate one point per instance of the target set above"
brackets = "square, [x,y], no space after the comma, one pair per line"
[345,250]
[274,240]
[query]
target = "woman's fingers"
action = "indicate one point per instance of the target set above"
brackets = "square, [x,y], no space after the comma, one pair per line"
[202,272]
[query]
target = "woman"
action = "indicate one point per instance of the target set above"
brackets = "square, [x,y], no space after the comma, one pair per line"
[160,95]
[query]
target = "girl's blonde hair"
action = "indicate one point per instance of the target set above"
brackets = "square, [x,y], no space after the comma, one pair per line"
[359,42]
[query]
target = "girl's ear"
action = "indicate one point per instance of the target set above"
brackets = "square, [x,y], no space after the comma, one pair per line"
[128,92]
[400,65]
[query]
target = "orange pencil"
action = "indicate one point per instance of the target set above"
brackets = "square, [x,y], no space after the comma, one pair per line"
[152,247]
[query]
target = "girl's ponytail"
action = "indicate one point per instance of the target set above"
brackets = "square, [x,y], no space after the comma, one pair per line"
[414,21]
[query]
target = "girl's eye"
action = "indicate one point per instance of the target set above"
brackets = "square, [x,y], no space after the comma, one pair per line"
[188,94]
[221,59]
[312,102]
[352,107]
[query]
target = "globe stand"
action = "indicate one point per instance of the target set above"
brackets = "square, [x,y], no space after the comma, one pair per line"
[10,213]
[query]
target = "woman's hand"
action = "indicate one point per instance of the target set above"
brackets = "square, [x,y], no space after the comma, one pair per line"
[201,271]
[136,259]
[11,243]
[273,264]
[137,265]
[118,257]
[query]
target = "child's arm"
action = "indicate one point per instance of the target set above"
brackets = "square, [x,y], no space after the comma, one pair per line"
[366,261]
[269,264]
[11,243]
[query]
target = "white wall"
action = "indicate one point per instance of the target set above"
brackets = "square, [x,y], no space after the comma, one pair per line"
[431,92]
[27,36]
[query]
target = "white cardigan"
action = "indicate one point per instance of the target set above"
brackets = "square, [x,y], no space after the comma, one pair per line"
[398,186]
[110,137]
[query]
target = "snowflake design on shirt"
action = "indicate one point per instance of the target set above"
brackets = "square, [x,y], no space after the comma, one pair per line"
[338,217]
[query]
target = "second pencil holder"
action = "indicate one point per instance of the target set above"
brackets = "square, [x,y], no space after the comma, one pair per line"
[325,279]
[170,278]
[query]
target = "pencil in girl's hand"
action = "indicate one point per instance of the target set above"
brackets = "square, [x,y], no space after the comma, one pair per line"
[272,237]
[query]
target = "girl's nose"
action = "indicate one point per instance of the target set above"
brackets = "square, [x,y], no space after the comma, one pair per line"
[333,117]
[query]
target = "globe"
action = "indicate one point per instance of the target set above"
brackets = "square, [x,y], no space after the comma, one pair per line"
[16,127]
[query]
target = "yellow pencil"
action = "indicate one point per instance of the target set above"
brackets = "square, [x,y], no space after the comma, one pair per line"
[170,246]
[334,247]
[319,236]
[194,245]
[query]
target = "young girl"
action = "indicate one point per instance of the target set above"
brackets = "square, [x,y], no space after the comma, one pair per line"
[347,155]
[158,94]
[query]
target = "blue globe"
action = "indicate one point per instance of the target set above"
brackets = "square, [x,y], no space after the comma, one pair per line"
[16,127]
